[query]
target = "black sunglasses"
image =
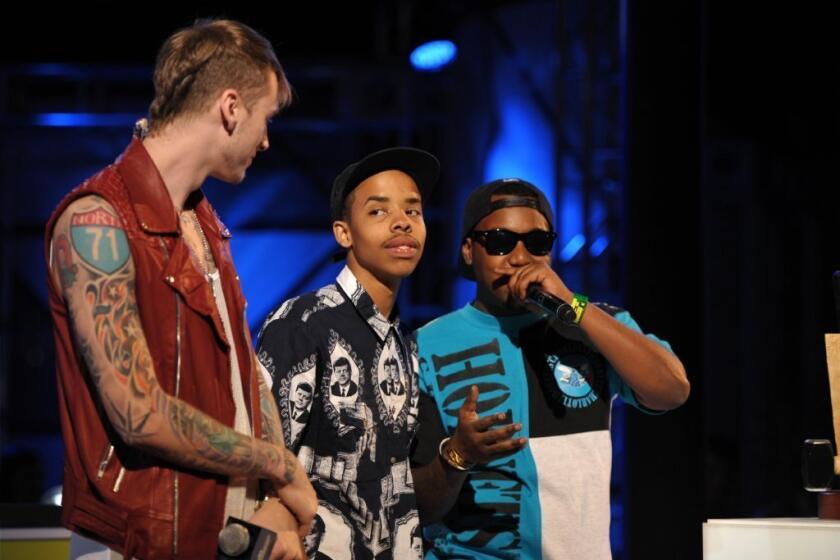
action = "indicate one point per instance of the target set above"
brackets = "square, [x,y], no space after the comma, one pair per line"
[501,241]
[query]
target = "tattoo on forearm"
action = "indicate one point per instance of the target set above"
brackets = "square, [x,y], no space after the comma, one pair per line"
[217,444]
[214,441]
[130,424]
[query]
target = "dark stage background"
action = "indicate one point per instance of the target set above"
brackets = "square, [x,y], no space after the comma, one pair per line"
[689,148]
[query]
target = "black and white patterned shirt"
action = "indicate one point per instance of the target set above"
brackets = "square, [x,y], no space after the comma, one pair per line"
[345,380]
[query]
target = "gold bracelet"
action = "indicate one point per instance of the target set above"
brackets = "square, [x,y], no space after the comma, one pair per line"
[452,458]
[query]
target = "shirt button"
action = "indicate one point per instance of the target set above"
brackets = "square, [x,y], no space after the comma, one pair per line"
[170,279]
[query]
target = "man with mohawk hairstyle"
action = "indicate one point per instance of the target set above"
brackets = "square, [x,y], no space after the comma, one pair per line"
[168,425]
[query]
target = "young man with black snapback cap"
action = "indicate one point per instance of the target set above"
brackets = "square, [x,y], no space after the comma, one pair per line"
[484,492]
[344,340]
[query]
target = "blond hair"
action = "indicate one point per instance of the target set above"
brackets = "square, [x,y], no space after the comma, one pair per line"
[196,63]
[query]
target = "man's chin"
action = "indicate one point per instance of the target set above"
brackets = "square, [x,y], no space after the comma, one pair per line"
[232,178]
[397,269]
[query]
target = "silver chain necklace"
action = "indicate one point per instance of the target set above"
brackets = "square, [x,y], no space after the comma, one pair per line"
[208,255]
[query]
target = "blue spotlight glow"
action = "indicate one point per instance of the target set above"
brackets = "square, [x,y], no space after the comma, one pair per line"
[433,55]
[62,120]
[572,247]
[598,246]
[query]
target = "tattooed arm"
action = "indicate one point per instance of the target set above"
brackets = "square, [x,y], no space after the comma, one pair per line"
[92,263]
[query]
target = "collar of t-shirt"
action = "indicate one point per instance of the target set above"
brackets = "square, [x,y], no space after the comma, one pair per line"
[508,324]
[363,303]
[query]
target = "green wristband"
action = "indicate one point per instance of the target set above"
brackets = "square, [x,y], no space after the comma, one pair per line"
[579,303]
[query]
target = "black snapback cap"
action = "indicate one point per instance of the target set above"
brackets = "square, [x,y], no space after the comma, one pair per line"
[420,165]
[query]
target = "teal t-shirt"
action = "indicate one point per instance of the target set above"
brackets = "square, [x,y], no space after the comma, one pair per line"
[550,499]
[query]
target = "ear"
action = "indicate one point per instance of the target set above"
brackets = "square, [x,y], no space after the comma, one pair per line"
[341,232]
[230,109]
[466,251]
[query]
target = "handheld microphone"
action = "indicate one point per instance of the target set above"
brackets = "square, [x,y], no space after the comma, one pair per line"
[555,307]
[242,540]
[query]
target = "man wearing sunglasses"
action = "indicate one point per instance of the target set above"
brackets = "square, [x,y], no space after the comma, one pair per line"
[547,381]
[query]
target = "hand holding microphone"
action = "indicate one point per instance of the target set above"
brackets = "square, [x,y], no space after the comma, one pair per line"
[538,286]
[242,540]
[271,533]
[275,516]
[520,278]
[556,308]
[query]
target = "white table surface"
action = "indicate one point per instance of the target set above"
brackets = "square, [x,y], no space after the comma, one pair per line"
[779,538]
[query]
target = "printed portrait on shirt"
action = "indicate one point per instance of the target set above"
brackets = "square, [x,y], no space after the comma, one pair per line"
[343,380]
[295,393]
[392,383]
[301,395]
[331,535]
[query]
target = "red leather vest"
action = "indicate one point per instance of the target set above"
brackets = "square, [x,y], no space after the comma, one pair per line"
[137,504]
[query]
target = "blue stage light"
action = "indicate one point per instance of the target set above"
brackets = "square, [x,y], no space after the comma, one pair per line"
[433,55]
[64,119]
[84,120]
[598,246]
[572,247]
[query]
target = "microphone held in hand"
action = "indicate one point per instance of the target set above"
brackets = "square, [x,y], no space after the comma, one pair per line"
[242,540]
[555,307]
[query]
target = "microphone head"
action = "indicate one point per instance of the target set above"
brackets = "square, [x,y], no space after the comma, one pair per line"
[234,539]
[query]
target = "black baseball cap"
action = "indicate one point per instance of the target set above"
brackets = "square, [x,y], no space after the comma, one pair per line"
[479,204]
[420,165]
